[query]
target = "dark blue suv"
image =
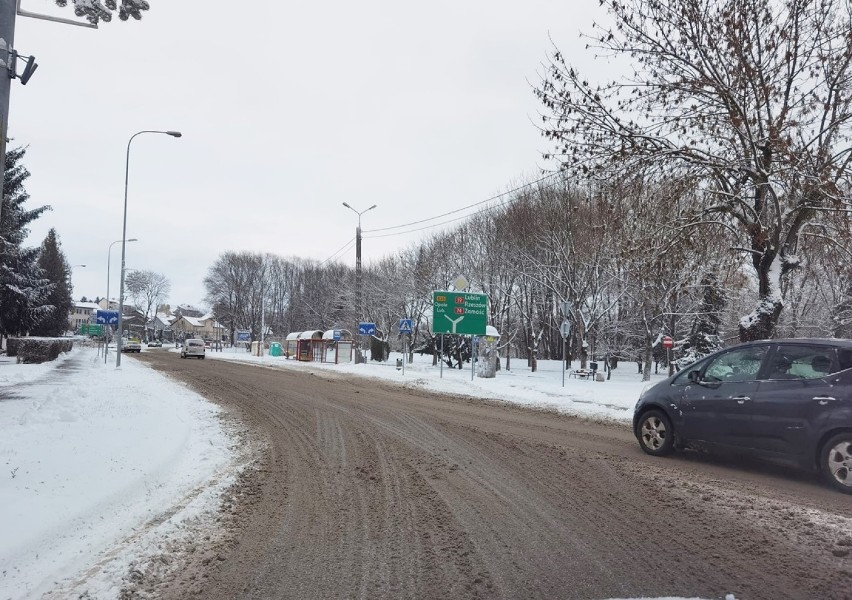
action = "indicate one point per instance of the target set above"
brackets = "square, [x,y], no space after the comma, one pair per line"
[788,400]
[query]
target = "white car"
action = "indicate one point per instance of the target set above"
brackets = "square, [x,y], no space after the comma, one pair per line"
[131,345]
[193,347]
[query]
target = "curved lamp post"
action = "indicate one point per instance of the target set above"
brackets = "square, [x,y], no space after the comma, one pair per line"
[176,134]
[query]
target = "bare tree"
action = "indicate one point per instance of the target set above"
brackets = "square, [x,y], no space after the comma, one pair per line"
[148,290]
[754,99]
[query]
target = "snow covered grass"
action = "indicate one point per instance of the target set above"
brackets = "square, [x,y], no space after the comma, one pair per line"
[91,457]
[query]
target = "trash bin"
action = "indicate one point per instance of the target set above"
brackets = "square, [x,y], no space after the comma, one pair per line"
[275,349]
[398,364]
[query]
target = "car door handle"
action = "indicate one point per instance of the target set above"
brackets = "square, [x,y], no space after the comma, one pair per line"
[742,399]
[823,400]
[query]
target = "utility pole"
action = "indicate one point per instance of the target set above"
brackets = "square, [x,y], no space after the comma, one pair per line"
[8,12]
[358,301]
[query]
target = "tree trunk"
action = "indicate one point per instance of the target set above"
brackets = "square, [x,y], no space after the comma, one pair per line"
[760,324]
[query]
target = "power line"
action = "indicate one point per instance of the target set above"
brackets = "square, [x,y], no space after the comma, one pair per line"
[343,249]
[452,212]
[503,203]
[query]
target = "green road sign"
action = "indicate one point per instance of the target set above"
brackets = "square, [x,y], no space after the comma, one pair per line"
[86,329]
[458,312]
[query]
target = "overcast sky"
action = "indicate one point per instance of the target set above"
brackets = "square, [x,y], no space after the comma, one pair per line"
[287,110]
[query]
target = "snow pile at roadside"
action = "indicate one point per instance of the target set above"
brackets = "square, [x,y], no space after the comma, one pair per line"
[92,457]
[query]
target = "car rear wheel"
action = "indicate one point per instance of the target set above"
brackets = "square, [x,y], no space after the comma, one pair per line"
[836,462]
[655,433]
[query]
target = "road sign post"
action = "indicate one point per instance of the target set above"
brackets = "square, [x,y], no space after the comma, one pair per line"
[565,330]
[668,344]
[459,313]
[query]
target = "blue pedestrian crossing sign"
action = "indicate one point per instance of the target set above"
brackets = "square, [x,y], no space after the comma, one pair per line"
[366,328]
[405,325]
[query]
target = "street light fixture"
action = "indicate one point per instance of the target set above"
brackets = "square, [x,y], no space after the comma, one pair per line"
[358,263]
[175,134]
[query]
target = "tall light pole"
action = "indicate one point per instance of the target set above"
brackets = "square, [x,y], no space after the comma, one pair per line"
[109,251]
[176,134]
[358,305]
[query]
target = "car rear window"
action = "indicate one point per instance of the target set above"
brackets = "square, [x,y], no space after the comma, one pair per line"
[195,343]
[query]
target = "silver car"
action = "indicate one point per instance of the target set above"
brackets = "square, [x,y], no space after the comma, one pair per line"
[192,347]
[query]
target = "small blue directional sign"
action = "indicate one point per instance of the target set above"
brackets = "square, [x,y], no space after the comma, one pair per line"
[336,335]
[405,325]
[366,328]
[107,317]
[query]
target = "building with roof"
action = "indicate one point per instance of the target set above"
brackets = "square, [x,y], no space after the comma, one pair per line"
[83,313]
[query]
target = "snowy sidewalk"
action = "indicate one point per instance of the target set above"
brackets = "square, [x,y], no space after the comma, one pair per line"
[94,458]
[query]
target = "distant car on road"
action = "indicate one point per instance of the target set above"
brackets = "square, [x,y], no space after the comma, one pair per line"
[155,344]
[787,400]
[193,347]
[131,345]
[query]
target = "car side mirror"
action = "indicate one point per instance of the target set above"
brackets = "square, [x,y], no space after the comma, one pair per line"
[694,376]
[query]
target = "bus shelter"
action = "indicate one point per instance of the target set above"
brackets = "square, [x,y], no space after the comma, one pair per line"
[304,345]
[337,346]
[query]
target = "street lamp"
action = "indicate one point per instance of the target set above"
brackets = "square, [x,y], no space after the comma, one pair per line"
[175,134]
[358,262]
[109,251]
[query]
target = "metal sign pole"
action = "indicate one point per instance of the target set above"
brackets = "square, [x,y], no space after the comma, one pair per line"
[404,354]
[472,357]
[564,357]
[441,358]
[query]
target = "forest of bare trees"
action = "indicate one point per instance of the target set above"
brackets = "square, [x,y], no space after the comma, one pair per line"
[618,254]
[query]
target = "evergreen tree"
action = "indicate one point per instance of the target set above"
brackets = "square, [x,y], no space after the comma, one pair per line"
[56,269]
[23,289]
[704,338]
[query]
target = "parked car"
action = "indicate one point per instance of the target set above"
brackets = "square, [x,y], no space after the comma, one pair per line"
[155,344]
[131,345]
[193,347]
[787,400]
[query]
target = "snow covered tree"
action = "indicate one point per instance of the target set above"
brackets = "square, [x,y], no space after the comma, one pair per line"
[753,99]
[23,289]
[57,271]
[842,312]
[148,290]
[704,337]
[95,10]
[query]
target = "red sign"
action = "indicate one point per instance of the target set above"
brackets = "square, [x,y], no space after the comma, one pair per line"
[459,299]
[668,342]
[459,311]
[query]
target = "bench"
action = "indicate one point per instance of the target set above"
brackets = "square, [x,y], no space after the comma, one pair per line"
[581,373]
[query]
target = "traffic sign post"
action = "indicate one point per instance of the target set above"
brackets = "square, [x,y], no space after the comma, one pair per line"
[565,330]
[459,313]
[668,344]
[366,328]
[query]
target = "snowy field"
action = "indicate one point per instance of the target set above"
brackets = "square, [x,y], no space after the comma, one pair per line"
[103,467]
